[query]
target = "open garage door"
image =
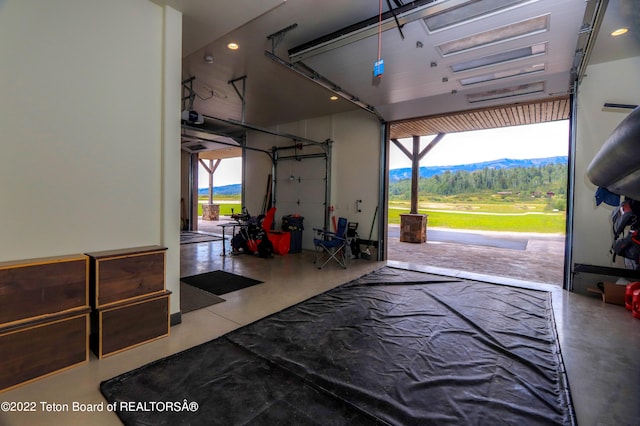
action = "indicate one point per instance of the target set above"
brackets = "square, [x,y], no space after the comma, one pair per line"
[463,254]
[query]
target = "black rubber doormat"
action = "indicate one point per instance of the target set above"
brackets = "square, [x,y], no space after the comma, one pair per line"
[220,282]
[393,347]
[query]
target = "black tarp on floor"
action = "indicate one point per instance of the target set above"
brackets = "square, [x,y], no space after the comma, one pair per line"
[393,347]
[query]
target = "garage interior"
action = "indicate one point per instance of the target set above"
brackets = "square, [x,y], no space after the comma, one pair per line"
[442,59]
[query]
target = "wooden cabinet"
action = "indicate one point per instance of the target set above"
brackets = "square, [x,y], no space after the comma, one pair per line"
[42,287]
[44,317]
[128,296]
[129,324]
[37,349]
[127,274]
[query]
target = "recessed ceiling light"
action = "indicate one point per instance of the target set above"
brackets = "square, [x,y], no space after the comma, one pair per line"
[233,46]
[334,98]
[619,31]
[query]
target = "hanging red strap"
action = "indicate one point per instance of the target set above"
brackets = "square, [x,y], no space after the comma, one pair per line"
[380,32]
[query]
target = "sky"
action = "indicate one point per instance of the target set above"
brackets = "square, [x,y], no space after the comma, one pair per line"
[517,142]
[228,172]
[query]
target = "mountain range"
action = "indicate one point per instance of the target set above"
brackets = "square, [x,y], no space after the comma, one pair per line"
[396,175]
[233,189]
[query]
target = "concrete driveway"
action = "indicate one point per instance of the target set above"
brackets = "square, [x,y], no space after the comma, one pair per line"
[443,235]
[492,253]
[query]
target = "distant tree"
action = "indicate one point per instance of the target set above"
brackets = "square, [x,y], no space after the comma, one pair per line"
[551,178]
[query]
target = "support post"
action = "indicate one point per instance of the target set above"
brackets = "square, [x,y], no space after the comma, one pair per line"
[209,211]
[415,174]
[415,158]
[193,192]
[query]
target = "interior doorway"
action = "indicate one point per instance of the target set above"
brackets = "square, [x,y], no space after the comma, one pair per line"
[495,200]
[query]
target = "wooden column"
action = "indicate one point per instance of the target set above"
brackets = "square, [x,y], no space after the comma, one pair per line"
[415,174]
[211,169]
[415,158]
[193,203]
[210,211]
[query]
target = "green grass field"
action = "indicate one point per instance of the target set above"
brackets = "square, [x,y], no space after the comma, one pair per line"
[477,214]
[511,217]
[225,205]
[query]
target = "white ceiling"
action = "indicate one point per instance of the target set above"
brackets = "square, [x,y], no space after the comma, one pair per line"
[417,80]
[619,14]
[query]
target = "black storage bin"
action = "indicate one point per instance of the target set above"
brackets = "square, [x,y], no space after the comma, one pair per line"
[293,224]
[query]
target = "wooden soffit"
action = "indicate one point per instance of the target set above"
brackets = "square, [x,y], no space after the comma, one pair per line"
[553,109]
[220,153]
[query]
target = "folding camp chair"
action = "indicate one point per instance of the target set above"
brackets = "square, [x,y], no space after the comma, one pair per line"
[331,245]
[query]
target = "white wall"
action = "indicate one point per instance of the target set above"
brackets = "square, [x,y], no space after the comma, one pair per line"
[87,114]
[170,148]
[608,82]
[354,171]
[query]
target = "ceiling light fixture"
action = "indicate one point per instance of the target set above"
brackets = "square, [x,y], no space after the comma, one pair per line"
[233,46]
[208,58]
[619,32]
[334,98]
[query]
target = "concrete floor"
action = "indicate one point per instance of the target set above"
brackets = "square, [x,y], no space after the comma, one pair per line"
[542,261]
[600,343]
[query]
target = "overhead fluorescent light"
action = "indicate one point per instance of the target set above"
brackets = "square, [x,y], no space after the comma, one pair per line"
[456,12]
[513,31]
[507,92]
[498,75]
[502,57]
